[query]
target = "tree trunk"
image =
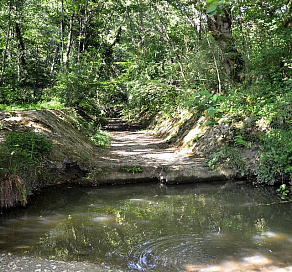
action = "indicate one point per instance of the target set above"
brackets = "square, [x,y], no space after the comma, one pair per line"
[55,59]
[22,67]
[62,31]
[220,26]
[83,22]
[216,65]
[20,44]
[69,43]
[6,43]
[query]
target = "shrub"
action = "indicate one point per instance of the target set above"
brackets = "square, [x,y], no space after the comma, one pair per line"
[276,159]
[100,138]
[20,157]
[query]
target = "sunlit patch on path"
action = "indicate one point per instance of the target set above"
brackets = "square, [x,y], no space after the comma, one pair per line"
[156,159]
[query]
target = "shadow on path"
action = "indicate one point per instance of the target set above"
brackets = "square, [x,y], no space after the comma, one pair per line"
[131,147]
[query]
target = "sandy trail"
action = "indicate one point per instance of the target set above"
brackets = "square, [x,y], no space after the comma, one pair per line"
[160,161]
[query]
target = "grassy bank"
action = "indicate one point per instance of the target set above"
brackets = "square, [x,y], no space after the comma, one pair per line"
[44,147]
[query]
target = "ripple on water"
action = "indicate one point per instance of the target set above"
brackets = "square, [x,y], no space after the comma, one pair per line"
[170,252]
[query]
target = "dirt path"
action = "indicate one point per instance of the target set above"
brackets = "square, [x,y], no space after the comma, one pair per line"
[138,150]
[134,155]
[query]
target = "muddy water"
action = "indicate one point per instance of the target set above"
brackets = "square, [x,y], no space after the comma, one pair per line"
[152,228]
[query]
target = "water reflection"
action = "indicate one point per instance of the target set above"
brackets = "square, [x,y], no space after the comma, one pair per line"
[170,252]
[148,228]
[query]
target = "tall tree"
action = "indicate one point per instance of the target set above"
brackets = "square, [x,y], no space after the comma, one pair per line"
[7,34]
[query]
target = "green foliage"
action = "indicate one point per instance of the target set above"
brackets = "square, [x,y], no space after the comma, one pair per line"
[150,57]
[33,145]
[213,6]
[100,138]
[207,103]
[77,88]
[276,158]
[239,141]
[147,99]
[198,137]
[230,157]
[283,191]
[52,104]
[133,169]
[23,151]
[21,157]
[90,126]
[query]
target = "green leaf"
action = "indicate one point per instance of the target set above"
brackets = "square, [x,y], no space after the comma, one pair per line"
[211,111]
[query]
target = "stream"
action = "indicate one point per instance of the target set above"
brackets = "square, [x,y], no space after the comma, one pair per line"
[148,227]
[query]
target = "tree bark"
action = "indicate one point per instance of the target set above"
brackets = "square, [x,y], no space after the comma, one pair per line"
[69,43]
[20,44]
[220,26]
[22,67]
[216,66]
[6,43]
[62,31]
[55,59]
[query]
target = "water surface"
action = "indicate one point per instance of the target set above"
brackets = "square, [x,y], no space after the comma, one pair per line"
[153,228]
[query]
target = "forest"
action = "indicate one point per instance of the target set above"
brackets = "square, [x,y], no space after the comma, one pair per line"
[227,60]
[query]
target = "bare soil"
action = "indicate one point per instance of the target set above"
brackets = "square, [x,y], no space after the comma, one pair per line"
[133,149]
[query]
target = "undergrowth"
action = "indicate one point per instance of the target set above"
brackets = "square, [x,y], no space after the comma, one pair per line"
[21,157]
[100,138]
[51,104]
[90,126]
[259,121]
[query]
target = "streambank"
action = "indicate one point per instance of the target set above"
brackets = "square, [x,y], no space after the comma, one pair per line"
[228,143]
[132,156]
[9,262]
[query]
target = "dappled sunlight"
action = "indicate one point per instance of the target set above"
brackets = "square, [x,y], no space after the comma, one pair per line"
[122,139]
[156,159]
[195,131]
[270,237]
[246,264]
[35,123]
[146,149]
[277,244]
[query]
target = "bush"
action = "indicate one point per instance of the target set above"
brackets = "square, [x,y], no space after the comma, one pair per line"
[100,138]
[20,157]
[147,99]
[276,159]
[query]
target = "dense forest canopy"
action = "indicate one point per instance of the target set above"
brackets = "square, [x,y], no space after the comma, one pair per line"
[215,57]
[97,52]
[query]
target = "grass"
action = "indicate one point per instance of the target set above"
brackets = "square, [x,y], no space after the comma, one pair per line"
[52,104]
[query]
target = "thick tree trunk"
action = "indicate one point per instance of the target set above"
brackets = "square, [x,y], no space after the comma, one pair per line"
[20,44]
[220,26]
